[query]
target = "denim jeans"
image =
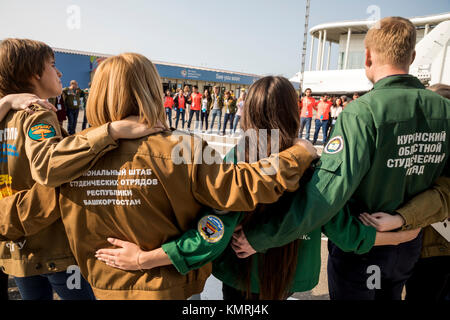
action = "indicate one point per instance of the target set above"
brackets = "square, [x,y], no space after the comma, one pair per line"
[305,122]
[226,118]
[191,115]
[169,115]
[41,287]
[236,122]
[181,112]
[204,118]
[321,124]
[72,118]
[216,113]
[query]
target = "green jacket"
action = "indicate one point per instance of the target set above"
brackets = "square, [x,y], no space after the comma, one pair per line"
[72,98]
[231,103]
[196,248]
[386,147]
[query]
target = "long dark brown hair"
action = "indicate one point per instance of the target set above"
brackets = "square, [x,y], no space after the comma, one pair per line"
[271,103]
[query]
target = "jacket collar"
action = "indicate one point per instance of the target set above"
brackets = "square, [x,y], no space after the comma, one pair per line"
[399,81]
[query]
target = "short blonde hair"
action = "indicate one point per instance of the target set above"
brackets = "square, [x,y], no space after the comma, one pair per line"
[126,85]
[393,39]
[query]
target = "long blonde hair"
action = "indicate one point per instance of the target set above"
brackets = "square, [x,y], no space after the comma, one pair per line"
[126,85]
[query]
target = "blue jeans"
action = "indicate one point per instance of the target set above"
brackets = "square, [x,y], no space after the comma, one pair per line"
[41,287]
[169,115]
[303,122]
[321,124]
[181,112]
[191,115]
[215,113]
[204,117]
[228,117]
[72,118]
[236,122]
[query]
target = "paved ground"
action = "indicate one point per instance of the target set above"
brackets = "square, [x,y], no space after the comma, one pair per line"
[213,288]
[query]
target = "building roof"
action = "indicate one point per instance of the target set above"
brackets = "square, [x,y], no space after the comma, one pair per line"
[336,29]
[96,54]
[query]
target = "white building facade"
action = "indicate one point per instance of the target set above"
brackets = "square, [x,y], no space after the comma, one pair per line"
[349,76]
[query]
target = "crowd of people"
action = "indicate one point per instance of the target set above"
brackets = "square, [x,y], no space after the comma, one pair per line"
[201,106]
[327,108]
[68,106]
[142,221]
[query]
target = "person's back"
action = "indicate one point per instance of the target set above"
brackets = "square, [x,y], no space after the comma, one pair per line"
[409,144]
[386,147]
[128,195]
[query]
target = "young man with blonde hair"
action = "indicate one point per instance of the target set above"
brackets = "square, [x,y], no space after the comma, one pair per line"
[387,146]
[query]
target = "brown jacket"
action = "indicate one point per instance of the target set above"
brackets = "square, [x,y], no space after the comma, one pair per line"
[429,207]
[31,145]
[142,193]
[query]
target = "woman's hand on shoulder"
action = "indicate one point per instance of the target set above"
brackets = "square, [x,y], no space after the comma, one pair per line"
[23,101]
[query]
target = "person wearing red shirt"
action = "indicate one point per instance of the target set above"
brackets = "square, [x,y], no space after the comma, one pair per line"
[196,106]
[322,116]
[307,104]
[168,104]
[180,105]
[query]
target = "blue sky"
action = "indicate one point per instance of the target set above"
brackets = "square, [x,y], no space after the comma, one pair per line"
[253,36]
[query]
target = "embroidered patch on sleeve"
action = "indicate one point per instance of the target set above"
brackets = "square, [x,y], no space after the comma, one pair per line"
[211,228]
[41,131]
[335,145]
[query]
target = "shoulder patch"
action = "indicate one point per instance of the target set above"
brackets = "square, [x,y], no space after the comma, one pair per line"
[335,145]
[41,131]
[211,228]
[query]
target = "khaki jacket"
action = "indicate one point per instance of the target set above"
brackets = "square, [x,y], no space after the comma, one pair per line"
[429,207]
[33,150]
[143,192]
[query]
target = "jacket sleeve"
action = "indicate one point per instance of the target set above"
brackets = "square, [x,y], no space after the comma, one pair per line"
[246,184]
[54,160]
[349,234]
[28,212]
[428,207]
[345,161]
[194,248]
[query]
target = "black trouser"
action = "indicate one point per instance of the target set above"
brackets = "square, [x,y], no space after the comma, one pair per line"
[230,293]
[228,117]
[430,280]
[3,286]
[349,274]
[204,118]
[191,115]
[72,119]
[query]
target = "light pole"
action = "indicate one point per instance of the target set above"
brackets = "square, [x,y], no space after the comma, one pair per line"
[305,44]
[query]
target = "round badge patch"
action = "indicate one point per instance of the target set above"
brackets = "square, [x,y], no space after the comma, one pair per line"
[41,132]
[335,145]
[211,228]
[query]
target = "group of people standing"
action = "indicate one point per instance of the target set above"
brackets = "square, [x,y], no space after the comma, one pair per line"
[68,106]
[144,222]
[202,105]
[327,111]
